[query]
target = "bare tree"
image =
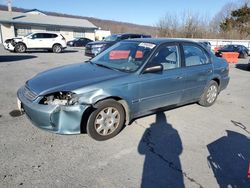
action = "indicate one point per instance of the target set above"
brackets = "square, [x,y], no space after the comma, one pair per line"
[187,24]
[168,26]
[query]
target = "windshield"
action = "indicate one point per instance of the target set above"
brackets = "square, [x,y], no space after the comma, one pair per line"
[125,56]
[111,38]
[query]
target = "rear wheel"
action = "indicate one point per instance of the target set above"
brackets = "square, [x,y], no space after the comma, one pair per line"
[210,94]
[57,48]
[20,48]
[106,121]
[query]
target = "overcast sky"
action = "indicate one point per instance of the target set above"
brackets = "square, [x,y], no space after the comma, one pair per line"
[146,12]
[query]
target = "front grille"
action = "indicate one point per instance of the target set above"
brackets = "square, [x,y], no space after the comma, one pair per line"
[29,94]
[88,47]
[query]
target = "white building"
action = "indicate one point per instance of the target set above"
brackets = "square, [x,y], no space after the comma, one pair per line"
[15,24]
[101,34]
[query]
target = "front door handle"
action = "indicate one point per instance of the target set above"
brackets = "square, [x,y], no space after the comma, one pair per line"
[210,71]
[178,77]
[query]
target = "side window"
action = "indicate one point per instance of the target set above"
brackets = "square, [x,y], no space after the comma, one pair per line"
[53,35]
[168,56]
[39,35]
[34,36]
[47,35]
[194,55]
[134,36]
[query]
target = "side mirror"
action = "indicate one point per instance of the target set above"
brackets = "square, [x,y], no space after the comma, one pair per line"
[153,69]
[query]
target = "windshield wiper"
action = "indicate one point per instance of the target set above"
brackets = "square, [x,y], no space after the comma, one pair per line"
[89,61]
[105,66]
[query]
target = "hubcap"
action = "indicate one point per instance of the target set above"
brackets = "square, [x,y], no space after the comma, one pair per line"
[57,49]
[211,94]
[107,121]
[21,48]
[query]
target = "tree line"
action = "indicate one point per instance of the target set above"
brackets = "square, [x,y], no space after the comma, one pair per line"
[231,22]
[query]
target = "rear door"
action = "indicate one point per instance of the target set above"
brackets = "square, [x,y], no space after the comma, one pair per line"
[197,72]
[48,40]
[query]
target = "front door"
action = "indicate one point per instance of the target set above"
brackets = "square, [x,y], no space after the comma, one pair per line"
[36,41]
[164,88]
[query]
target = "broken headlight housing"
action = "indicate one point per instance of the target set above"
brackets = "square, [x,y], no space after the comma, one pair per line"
[60,98]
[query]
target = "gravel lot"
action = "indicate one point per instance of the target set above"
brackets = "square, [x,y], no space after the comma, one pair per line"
[190,146]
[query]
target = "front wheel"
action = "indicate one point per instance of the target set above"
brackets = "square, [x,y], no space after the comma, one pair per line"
[210,94]
[57,48]
[20,48]
[106,121]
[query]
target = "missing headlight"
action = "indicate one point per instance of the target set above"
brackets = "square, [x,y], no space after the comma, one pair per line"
[59,98]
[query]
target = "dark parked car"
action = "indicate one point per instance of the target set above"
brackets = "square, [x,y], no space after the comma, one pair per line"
[242,50]
[79,42]
[206,44]
[94,48]
[130,79]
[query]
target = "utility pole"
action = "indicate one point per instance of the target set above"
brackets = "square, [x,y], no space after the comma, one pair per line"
[9,5]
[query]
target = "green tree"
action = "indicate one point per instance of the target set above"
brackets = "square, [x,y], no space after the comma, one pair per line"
[239,20]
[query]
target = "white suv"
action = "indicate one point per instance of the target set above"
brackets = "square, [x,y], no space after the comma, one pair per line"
[40,40]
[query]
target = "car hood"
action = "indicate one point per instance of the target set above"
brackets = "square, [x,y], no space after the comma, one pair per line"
[71,77]
[18,38]
[15,39]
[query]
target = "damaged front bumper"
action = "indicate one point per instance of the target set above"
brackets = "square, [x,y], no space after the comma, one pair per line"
[9,46]
[54,118]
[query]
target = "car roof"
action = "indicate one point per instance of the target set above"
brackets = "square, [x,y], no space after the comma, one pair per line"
[235,45]
[46,32]
[159,40]
[126,34]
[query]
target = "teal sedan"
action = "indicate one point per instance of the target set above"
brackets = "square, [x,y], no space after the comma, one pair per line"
[128,80]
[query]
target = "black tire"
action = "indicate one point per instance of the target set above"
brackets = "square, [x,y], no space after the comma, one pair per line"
[210,94]
[57,48]
[102,128]
[20,48]
[248,66]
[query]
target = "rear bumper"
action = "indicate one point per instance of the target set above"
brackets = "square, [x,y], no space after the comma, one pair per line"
[224,83]
[53,118]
